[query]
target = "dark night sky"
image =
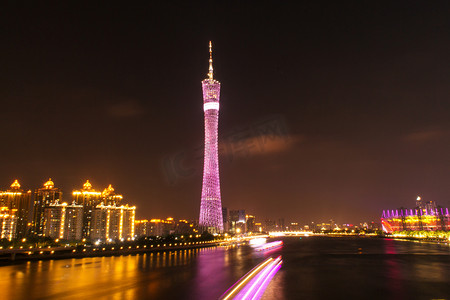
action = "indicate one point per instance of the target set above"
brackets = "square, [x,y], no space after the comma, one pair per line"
[113,94]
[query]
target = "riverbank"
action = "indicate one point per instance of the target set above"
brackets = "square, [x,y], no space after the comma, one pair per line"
[421,240]
[437,240]
[14,256]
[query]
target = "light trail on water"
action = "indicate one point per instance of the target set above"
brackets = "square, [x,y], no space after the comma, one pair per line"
[254,283]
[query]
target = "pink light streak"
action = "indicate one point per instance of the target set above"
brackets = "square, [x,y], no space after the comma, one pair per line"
[262,288]
[270,245]
[254,283]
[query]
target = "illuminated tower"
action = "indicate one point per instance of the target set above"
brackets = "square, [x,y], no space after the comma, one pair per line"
[211,206]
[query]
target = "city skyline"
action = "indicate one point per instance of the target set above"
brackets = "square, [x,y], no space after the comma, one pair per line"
[49,193]
[335,111]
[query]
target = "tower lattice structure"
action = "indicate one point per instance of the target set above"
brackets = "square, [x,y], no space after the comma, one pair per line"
[211,205]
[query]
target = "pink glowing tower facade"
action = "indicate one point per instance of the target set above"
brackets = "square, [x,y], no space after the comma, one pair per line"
[211,205]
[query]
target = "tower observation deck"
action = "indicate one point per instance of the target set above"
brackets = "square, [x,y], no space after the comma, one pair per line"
[211,205]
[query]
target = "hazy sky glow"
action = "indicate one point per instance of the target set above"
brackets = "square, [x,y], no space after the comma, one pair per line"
[326,111]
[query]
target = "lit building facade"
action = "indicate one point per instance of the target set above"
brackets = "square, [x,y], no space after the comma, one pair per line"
[142,228]
[110,223]
[159,227]
[73,229]
[109,197]
[425,216]
[8,222]
[18,202]
[43,198]
[211,205]
[54,220]
[89,198]
[63,221]
[100,223]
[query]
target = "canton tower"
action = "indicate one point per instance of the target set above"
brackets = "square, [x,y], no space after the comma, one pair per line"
[211,205]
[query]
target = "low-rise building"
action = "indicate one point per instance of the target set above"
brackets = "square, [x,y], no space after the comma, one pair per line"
[425,216]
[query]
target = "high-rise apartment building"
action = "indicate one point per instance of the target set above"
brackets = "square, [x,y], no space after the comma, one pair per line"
[19,203]
[73,229]
[43,198]
[63,221]
[89,198]
[110,223]
[54,220]
[8,222]
[109,197]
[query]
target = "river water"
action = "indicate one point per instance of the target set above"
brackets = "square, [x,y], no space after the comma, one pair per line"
[313,268]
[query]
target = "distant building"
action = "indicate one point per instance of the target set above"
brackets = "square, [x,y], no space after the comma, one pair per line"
[374,226]
[250,223]
[19,203]
[425,216]
[43,198]
[281,225]
[269,225]
[142,228]
[161,227]
[294,226]
[237,221]
[226,219]
[258,227]
[184,227]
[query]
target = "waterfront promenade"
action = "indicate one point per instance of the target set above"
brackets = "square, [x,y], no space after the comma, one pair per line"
[8,256]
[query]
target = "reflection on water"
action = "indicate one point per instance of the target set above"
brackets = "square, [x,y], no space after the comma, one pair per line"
[363,268]
[195,274]
[313,268]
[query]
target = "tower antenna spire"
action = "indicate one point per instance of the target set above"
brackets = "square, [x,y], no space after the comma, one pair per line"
[210,74]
